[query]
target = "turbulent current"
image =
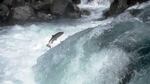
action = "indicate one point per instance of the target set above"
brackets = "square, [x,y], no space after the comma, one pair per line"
[112,51]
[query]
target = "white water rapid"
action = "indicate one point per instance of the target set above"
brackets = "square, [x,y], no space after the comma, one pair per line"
[89,51]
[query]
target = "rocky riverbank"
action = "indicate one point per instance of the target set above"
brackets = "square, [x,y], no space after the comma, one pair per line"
[25,11]
[22,11]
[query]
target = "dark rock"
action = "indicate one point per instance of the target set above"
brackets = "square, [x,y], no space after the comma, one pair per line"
[1,1]
[76,1]
[32,1]
[22,13]
[8,2]
[85,12]
[4,13]
[72,11]
[41,6]
[58,7]
[133,2]
[44,16]
[20,2]
[14,3]
[65,8]
[73,15]
[118,6]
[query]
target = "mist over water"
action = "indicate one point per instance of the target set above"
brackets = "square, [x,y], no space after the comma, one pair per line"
[89,52]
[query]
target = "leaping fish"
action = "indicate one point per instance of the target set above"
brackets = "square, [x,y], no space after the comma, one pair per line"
[54,37]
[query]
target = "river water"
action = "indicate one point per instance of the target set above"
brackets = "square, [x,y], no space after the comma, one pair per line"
[89,52]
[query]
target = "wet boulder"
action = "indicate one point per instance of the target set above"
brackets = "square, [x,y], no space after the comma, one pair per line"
[85,12]
[22,13]
[4,12]
[44,16]
[76,1]
[58,6]
[118,6]
[72,11]
[8,2]
[14,3]
[41,5]
[67,8]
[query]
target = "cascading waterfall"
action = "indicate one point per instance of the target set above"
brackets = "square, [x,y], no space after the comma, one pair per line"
[22,45]
[96,8]
[113,51]
[111,54]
